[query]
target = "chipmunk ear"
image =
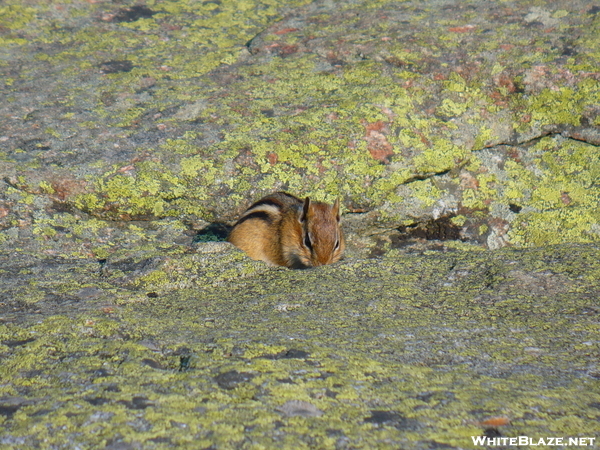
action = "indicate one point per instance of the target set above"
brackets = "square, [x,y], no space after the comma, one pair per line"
[336,209]
[305,209]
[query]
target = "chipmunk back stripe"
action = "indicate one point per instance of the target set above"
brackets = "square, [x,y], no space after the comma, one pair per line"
[268,202]
[293,197]
[262,215]
[269,209]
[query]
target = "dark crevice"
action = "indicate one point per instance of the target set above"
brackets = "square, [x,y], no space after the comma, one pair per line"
[588,135]
[426,176]
[213,232]
[130,14]
[440,229]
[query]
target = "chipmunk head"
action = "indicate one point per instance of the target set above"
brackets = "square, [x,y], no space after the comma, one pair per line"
[322,237]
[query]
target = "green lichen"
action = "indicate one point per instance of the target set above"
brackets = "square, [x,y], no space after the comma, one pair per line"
[154,280]
[425,191]
[442,156]
[46,187]
[300,121]
[441,340]
[557,106]
[14,17]
[97,375]
[149,191]
[562,195]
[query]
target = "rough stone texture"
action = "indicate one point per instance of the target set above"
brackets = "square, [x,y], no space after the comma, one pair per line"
[406,350]
[409,110]
[463,140]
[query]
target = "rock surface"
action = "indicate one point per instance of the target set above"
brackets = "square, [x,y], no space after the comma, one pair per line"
[463,140]
[486,114]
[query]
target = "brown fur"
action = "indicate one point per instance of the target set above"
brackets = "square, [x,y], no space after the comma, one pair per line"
[283,230]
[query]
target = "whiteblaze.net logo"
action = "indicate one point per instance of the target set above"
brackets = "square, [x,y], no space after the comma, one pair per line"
[526,440]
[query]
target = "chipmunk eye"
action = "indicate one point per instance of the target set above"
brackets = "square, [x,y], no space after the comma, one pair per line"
[307,241]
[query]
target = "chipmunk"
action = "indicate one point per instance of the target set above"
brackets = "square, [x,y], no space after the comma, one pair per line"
[283,230]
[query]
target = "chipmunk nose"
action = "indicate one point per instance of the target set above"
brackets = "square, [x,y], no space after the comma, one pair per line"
[322,260]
